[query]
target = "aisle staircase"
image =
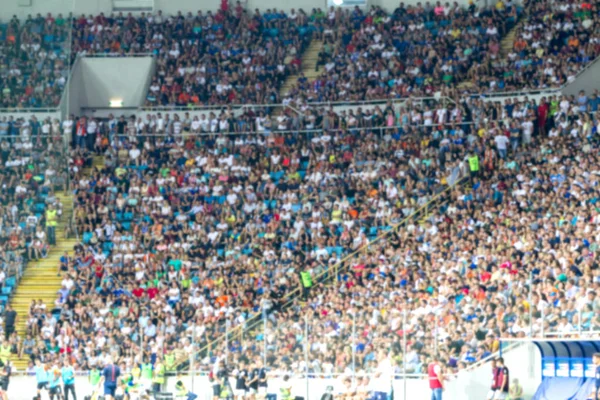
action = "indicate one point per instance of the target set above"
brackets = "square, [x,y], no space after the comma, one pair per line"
[41,279]
[309,65]
[506,45]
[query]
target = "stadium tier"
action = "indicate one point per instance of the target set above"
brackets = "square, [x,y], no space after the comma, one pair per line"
[337,199]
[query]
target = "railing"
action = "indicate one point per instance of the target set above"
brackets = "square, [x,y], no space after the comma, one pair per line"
[310,104]
[29,110]
[113,54]
[285,132]
[326,276]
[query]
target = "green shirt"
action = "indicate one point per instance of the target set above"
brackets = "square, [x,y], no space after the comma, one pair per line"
[95,377]
[306,279]
[159,376]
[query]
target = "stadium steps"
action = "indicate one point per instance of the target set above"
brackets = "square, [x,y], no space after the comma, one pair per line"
[40,280]
[309,66]
[506,45]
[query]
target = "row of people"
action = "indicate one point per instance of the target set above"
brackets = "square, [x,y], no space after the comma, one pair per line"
[193,236]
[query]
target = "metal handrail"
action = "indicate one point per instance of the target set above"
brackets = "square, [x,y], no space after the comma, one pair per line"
[298,131]
[311,104]
[113,55]
[327,275]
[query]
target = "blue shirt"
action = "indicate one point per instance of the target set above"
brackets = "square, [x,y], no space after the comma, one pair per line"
[54,379]
[68,375]
[40,375]
[111,374]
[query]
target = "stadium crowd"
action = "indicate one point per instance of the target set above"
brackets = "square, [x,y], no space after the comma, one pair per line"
[196,224]
[556,41]
[34,61]
[186,237]
[416,50]
[230,56]
[235,56]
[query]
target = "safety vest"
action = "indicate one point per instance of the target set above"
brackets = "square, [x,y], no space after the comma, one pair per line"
[181,390]
[159,374]
[434,380]
[51,218]
[306,279]
[286,393]
[4,353]
[474,163]
[147,371]
[170,362]
[94,377]
[135,373]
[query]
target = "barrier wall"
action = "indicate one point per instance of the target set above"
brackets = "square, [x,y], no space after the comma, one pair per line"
[523,361]
[94,82]
[24,387]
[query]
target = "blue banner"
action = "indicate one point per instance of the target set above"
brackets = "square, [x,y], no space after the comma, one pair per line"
[590,369]
[548,367]
[577,367]
[562,367]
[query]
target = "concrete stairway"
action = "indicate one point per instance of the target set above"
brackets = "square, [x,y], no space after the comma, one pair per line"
[506,45]
[309,64]
[41,279]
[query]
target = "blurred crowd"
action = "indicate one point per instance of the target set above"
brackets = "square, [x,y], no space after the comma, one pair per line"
[186,238]
[238,56]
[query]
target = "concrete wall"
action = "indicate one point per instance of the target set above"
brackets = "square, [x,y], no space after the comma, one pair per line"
[523,362]
[95,81]
[14,7]
[587,80]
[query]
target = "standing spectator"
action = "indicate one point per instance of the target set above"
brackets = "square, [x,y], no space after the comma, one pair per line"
[41,376]
[516,390]
[436,379]
[80,132]
[159,375]
[495,371]
[5,371]
[10,318]
[68,378]
[54,384]
[51,222]
[110,377]
[502,384]
[596,359]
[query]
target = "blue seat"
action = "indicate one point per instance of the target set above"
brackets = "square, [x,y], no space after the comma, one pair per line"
[87,236]
[126,226]
[12,281]
[6,290]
